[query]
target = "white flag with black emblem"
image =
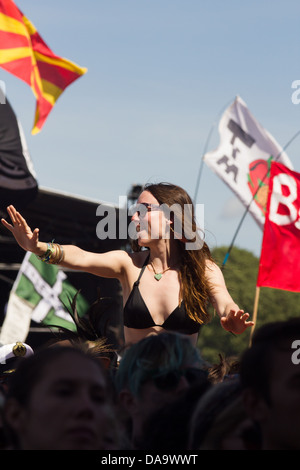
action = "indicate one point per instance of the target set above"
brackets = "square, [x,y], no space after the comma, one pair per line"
[243,158]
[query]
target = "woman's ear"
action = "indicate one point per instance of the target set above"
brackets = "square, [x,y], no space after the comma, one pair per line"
[177,231]
[170,223]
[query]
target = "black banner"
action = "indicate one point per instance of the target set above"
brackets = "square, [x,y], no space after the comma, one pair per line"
[18,185]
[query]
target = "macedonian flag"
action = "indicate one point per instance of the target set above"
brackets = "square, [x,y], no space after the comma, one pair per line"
[24,54]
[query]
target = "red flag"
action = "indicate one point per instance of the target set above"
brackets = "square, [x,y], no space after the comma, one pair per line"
[279,262]
[24,54]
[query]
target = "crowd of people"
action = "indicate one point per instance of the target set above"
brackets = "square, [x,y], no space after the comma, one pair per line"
[157,394]
[161,396]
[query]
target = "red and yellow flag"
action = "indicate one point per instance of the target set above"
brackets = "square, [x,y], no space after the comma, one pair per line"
[24,54]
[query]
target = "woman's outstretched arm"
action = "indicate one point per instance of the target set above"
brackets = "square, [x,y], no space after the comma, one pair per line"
[232,318]
[110,264]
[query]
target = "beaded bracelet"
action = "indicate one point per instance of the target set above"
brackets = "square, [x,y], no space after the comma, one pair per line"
[54,253]
[46,256]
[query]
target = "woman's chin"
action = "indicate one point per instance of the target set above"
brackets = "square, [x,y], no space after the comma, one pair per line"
[143,239]
[143,242]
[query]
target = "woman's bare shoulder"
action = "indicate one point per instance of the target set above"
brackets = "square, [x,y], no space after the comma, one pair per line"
[132,264]
[211,265]
[214,272]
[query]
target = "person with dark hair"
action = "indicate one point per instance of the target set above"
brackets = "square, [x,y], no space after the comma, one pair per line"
[60,399]
[168,282]
[220,421]
[270,378]
[167,428]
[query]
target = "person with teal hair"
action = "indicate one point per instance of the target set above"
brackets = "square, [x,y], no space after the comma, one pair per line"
[152,373]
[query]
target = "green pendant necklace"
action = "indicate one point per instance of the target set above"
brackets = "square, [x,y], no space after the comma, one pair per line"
[158,276]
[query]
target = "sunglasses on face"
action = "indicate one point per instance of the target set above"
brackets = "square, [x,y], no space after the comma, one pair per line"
[170,380]
[144,207]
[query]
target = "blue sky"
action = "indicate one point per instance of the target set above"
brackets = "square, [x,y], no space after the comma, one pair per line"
[159,74]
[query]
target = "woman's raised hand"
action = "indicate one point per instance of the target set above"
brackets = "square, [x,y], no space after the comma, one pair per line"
[236,321]
[23,234]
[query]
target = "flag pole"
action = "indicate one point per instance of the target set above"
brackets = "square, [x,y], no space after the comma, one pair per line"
[253,197]
[202,162]
[255,308]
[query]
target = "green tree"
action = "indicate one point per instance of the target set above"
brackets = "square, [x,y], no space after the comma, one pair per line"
[240,273]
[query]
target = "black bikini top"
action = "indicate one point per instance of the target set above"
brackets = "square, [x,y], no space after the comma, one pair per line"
[137,315]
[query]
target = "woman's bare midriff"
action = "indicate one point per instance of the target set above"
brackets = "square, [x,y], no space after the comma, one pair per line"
[132,335]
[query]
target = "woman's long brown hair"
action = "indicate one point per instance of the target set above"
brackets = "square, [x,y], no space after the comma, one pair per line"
[194,285]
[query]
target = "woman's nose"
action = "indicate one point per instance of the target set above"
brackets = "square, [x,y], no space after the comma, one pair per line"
[135,216]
